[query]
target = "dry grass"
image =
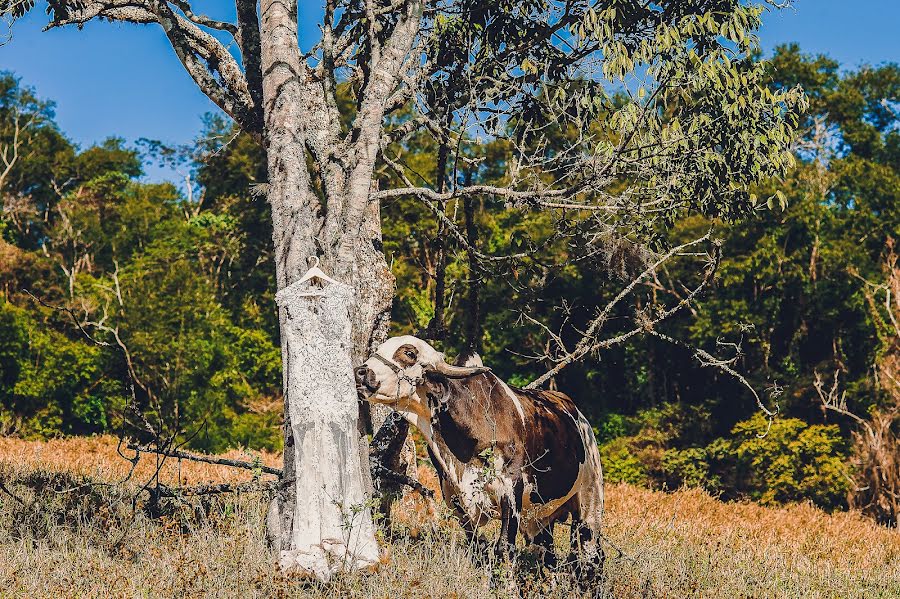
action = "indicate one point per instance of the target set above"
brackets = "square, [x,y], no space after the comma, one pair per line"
[97,458]
[71,540]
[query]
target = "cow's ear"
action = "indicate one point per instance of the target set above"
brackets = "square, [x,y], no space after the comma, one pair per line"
[437,389]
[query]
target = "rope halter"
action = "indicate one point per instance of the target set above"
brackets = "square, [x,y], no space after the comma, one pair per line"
[400,372]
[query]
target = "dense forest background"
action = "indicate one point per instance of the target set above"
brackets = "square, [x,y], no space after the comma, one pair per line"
[108,281]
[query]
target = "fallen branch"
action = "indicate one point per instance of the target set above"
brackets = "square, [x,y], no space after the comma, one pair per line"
[215,489]
[377,469]
[183,455]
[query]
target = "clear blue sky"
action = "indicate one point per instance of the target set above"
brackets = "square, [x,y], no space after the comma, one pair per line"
[117,79]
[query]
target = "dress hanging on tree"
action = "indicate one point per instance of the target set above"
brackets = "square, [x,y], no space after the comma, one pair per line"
[332,528]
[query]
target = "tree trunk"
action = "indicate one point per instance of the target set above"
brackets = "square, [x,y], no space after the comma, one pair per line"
[359,262]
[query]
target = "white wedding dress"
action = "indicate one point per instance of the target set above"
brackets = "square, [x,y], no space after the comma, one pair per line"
[332,526]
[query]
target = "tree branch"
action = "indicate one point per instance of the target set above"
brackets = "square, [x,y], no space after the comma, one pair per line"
[589,343]
[203,20]
[183,455]
[251,53]
[384,67]
[206,60]
[214,489]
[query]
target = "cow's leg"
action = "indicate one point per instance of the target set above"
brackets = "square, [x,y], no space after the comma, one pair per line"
[587,554]
[544,540]
[453,500]
[473,539]
[587,515]
[510,510]
[586,551]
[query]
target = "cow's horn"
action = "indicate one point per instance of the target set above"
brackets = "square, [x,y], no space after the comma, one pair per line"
[457,372]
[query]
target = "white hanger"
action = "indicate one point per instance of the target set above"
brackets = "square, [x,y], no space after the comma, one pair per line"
[315,273]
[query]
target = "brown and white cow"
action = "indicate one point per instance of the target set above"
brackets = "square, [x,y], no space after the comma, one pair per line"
[526,457]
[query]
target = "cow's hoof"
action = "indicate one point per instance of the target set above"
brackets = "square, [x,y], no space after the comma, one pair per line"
[588,573]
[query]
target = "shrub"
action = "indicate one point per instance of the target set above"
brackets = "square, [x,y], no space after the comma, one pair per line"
[620,464]
[611,426]
[793,461]
[688,468]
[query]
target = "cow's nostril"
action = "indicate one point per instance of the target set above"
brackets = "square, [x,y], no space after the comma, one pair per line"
[366,377]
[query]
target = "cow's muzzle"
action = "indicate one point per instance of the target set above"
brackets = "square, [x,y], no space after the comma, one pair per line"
[366,382]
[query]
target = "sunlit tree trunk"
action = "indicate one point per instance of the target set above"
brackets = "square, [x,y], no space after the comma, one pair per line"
[301,229]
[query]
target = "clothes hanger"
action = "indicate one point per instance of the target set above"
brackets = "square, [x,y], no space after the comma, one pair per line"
[314,273]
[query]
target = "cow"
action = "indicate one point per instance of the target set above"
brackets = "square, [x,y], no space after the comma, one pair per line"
[525,457]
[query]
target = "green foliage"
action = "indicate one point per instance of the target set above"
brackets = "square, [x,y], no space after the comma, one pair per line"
[49,379]
[688,468]
[620,464]
[12,350]
[611,426]
[787,461]
[644,447]
[151,279]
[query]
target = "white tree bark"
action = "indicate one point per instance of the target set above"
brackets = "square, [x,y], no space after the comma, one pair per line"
[332,526]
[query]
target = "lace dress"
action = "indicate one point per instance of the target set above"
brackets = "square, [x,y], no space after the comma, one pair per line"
[332,525]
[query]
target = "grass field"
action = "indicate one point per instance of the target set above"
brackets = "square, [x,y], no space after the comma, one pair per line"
[70,533]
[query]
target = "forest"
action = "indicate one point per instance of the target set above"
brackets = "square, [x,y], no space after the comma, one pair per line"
[117,291]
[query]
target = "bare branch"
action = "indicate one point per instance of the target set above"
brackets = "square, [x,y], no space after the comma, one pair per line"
[451,226]
[203,20]
[708,360]
[207,61]
[183,455]
[589,342]
[215,489]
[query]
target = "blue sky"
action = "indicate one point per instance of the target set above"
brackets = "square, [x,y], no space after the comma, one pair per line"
[116,79]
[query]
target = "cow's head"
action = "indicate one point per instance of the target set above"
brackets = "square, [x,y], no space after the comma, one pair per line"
[401,365]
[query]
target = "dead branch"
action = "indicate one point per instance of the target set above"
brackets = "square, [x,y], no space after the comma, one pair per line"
[706,359]
[589,341]
[215,489]
[835,400]
[183,455]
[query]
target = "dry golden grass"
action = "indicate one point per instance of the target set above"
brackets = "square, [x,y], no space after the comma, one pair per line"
[97,457]
[71,540]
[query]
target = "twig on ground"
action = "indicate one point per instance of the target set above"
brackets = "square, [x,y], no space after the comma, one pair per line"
[183,455]
[216,489]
